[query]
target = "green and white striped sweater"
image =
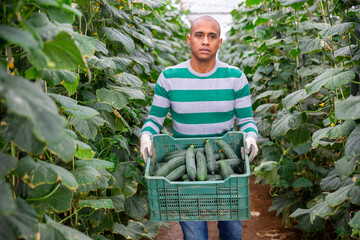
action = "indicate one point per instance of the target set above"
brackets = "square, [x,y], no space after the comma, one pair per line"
[201,104]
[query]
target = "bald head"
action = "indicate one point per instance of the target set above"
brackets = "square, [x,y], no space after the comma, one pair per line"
[203,19]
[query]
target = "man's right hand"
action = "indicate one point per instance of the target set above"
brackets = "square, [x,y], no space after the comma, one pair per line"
[145,146]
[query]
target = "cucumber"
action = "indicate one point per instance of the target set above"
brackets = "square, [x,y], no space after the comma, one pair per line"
[176,173]
[170,165]
[225,169]
[174,152]
[169,157]
[200,149]
[214,177]
[222,155]
[234,163]
[201,169]
[190,163]
[210,158]
[228,151]
[217,156]
[185,177]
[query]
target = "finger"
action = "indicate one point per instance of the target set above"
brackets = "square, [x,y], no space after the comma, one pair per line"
[247,149]
[253,153]
[242,153]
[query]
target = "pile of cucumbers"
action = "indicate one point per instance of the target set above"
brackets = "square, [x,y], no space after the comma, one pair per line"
[200,164]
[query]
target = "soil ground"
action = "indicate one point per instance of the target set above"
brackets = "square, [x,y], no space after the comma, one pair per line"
[262,225]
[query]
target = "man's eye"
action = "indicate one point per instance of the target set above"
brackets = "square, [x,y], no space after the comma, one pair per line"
[199,35]
[212,36]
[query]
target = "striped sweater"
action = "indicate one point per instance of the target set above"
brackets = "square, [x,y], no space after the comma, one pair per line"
[201,104]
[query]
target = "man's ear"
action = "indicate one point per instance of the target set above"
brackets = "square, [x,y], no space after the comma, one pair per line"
[188,38]
[220,42]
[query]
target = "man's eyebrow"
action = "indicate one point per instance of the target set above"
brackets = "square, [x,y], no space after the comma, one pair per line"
[214,33]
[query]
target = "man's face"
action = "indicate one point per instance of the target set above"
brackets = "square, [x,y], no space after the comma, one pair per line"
[204,40]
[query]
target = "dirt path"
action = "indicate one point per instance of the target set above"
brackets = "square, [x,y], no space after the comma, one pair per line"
[262,225]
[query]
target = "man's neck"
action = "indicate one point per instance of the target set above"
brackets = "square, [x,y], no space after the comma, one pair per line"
[202,67]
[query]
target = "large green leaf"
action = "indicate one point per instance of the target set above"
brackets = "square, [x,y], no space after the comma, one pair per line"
[65,148]
[57,77]
[348,109]
[7,203]
[54,230]
[331,78]
[302,216]
[18,36]
[136,206]
[118,201]
[97,203]
[313,45]
[133,230]
[20,224]
[344,166]
[101,183]
[117,36]
[128,79]
[8,163]
[26,99]
[132,93]
[337,29]
[302,183]
[295,97]
[321,210]
[114,98]
[84,151]
[299,136]
[293,3]
[63,53]
[355,221]
[85,44]
[85,175]
[352,147]
[354,195]
[20,130]
[101,47]
[339,196]
[330,183]
[268,171]
[127,186]
[263,108]
[87,127]
[115,63]
[50,197]
[285,122]
[336,132]
[312,70]
[273,94]
[71,107]
[345,51]
[95,163]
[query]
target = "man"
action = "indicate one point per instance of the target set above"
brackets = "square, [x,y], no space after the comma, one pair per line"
[205,97]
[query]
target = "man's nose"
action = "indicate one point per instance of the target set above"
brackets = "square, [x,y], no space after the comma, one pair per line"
[205,40]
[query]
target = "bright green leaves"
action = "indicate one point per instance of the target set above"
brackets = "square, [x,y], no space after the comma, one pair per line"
[284,123]
[337,29]
[332,79]
[336,132]
[313,45]
[97,203]
[295,97]
[95,163]
[348,109]
[87,127]
[114,98]
[293,3]
[119,37]
[18,36]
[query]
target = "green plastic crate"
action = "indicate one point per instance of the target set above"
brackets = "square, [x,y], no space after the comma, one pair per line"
[226,199]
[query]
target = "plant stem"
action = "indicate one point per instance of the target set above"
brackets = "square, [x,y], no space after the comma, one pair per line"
[46,196]
[63,220]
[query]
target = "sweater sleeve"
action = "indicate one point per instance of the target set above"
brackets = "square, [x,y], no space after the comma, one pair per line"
[159,108]
[243,108]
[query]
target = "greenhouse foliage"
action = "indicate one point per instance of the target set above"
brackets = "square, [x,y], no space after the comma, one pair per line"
[75,81]
[302,59]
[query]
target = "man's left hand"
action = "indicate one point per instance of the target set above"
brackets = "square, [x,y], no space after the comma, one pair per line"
[250,148]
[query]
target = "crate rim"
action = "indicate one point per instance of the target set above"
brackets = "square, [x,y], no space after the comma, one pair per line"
[247,164]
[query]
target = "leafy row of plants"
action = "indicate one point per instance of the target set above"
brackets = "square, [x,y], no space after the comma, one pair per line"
[74,84]
[302,58]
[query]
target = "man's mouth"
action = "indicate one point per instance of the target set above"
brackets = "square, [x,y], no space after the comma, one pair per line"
[203,50]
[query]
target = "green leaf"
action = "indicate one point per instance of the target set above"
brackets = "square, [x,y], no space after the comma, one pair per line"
[344,166]
[118,201]
[133,230]
[302,183]
[117,64]
[352,147]
[61,15]
[345,51]
[85,44]
[294,53]
[85,175]
[286,169]
[336,132]
[339,196]
[114,98]
[94,163]
[295,97]
[88,128]
[331,78]
[128,187]
[348,109]
[273,94]
[355,221]
[84,151]
[26,99]
[264,107]
[132,93]
[57,77]
[54,230]
[337,29]
[63,175]
[101,47]
[253,2]
[268,170]
[330,183]
[354,195]
[313,45]
[101,182]
[321,210]
[20,130]
[97,203]
[117,36]
[18,36]
[299,136]
[8,163]
[293,3]
[302,216]
[128,79]
[65,148]
[285,122]
[71,107]
[7,203]
[312,70]
[71,87]
[44,198]
[136,206]
[63,53]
